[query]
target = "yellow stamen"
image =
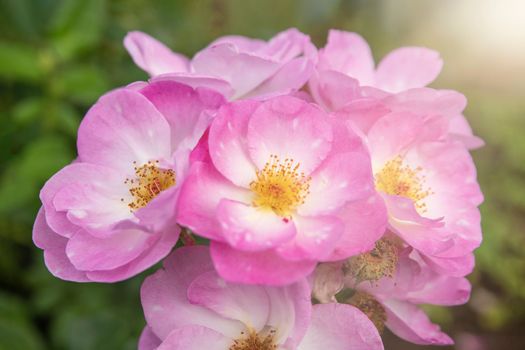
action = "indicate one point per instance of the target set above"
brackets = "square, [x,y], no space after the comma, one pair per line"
[280,186]
[149,181]
[251,340]
[398,179]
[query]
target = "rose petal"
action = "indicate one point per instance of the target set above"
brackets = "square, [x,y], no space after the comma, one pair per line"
[153,56]
[408,67]
[164,295]
[340,327]
[199,198]
[184,109]
[54,247]
[409,322]
[249,304]
[349,54]
[315,240]
[289,128]
[243,71]
[155,253]
[252,229]
[148,340]
[123,127]
[265,267]
[195,338]
[365,222]
[87,252]
[227,142]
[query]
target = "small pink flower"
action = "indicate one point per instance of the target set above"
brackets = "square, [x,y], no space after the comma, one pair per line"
[415,283]
[283,187]
[188,306]
[392,301]
[234,65]
[428,183]
[110,214]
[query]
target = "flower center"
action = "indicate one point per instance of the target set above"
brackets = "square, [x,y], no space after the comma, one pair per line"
[401,180]
[252,340]
[280,186]
[370,307]
[378,263]
[149,181]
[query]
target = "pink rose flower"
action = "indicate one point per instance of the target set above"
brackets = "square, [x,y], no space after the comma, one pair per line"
[110,214]
[234,65]
[415,283]
[346,81]
[357,188]
[392,301]
[284,186]
[188,306]
[428,183]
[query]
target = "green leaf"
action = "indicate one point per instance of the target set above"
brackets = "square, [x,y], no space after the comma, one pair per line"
[94,329]
[98,316]
[52,114]
[16,330]
[16,336]
[68,119]
[9,267]
[78,26]
[28,110]
[82,84]
[25,19]
[19,62]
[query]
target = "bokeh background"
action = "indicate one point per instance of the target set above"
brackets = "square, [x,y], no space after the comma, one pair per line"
[58,56]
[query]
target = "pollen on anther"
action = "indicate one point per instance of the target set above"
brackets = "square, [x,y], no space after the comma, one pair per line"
[397,178]
[251,340]
[280,186]
[150,181]
[378,263]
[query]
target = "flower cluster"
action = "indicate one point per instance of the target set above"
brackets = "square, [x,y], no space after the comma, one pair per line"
[336,196]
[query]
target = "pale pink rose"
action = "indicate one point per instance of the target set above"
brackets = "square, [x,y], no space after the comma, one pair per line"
[284,186]
[188,306]
[346,63]
[234,65]
[346,81]
[110,214]
[428,183]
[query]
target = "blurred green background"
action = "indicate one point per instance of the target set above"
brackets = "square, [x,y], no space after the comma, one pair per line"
[58,56]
